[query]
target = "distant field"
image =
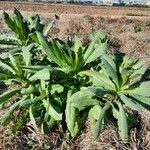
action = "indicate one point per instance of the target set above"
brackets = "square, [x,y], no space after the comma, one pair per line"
[128,32]
[77,9]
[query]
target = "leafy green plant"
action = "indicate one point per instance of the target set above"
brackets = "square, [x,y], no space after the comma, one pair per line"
[44,86]
[132,14]
[138,29]
[147,23]
[71,57]
[23,30]
[119,86]
[57,83]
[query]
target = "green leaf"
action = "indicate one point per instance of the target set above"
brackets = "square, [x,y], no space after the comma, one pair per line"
[137,75]
[30,90]
[10,22]
[77,44]
[100,79]
[27,54]
[99,50]
[91,47]
[13,61]
[70,113]
[98,124]
[129,102]
[15,64]
[143,89]
[144,99]
[109,66]
[9,114]
[98,91]
[34,24]
[21,26]
[9,40]
[79,61]
[36,68]
[59,53]
[115,112]
[57,88]
[34,38]
[7,75]
[139,63]
[32,119]
[48,28]
[83,99]
[6,66]
[41,75]
[5,55]
[122,123]
[53,111]
[7,95]
[28,102]
[47,47]
[94,114]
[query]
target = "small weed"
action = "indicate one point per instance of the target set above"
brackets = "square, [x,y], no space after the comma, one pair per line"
[147,23]
[131,14]
[138,29]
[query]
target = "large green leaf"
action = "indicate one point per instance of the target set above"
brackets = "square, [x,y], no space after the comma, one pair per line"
[70,114]
[9,40]
[142,89]
[7,75]
[34,24]
[57,88]
[91,47]
[6,66]
[48,28]
[100,79]
[143,99]
[36,68]
[59,53]
[109,66]
[5,55]
[129,102]
[10,22]
[98,124]
[79,61]
[47,47]
[7,95]
[27,54]
[9,114]
[122,123]
[77,44]
[139,63]
[99,91]
[83,99]
[94,114]
[32,119]
[99,50]
[21,26]
[13,62]
[52,110]
[43,74]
